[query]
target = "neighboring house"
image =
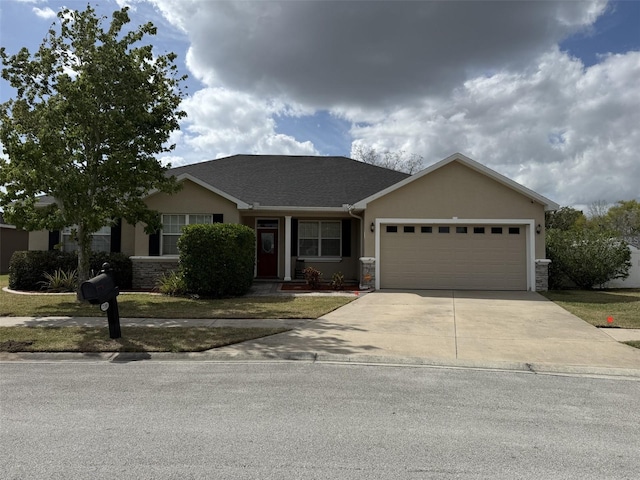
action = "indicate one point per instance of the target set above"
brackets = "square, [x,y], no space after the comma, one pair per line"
[12,240]
[456,224]
[633,280]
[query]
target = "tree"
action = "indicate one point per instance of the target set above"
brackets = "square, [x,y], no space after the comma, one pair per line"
[92,109]
[565,218]
[623,218]
[401,161]
[586,257]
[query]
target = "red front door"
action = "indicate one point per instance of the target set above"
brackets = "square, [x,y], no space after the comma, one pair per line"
[267,253]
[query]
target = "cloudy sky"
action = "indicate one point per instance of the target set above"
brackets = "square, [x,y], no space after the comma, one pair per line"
[545,92]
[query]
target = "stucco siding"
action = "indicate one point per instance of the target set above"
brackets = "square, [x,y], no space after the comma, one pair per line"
[39,240]
[455,190]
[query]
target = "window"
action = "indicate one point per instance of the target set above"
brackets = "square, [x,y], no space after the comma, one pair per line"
[426,229]
[319,239]
[392,229]
[409,229]
[461,229]
[172,229]
[443,229]
[478,229]
[100,240]
[496,230]
[514,230]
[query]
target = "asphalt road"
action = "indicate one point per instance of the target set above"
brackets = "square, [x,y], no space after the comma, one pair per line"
[311,421]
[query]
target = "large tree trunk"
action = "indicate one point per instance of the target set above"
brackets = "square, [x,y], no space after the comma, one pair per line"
[84,254]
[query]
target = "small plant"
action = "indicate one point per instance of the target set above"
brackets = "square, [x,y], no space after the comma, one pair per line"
[337,281]
[172,284]
[60,281]
[312,277]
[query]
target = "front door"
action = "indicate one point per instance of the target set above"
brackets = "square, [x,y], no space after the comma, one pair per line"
[267,253]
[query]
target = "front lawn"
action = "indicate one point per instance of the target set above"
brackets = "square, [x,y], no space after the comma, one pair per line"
[134,339]
[159,306]
[595,306]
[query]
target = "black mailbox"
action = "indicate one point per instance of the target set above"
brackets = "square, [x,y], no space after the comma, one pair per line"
[99,289]
[102,290]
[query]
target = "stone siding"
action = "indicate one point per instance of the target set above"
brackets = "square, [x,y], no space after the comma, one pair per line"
[147,270]
[368,273]
[542,275]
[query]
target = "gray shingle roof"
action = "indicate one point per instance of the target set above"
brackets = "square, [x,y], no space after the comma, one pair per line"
[293,181]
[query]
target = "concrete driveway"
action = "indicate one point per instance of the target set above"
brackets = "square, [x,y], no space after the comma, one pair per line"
[453,328]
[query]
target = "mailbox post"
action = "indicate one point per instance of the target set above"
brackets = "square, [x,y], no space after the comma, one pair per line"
[101,290]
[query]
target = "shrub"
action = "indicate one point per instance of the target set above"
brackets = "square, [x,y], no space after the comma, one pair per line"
[585,257]
[120,264]
[217,260]
[60,281]
[337,281]
[312,277]
[172,283]
[27,269]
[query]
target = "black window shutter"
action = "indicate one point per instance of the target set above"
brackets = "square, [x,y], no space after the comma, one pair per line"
[346,237]
[54,239]
[154,244]
[294,237]
[218,218]
[116,236]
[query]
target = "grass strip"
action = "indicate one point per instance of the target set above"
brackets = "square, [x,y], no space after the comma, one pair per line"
[596,306]
[134,339]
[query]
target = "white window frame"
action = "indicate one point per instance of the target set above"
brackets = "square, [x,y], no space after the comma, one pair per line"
[320,256]
[188,217]
[70,245]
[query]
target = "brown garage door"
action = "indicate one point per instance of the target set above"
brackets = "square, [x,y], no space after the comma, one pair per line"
[466,257]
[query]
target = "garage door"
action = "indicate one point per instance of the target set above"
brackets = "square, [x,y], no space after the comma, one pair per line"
[466,257]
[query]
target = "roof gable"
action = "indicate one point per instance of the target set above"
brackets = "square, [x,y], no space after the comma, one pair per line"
[458,157]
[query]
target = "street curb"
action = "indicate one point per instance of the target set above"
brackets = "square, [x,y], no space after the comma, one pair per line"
[311,357]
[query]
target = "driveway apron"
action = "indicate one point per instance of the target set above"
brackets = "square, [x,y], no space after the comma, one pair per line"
[464,326]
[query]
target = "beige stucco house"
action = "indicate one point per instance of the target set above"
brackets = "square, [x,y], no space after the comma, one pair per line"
[455,225]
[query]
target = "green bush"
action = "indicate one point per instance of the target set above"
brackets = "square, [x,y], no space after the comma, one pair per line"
[60,281]
[217,260]
[586,258]
[172,283]
[312,277]
[27,269]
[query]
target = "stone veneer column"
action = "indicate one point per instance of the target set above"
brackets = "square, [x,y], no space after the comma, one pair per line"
[367,273]
[542,274]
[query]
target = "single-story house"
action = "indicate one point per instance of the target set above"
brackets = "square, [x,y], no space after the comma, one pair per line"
[456,224]
[12,239]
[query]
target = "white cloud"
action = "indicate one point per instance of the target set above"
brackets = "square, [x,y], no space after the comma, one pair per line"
[222,122]
[45,13]
[566,132]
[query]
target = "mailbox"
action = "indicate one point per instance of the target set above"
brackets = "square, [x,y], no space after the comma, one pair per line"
[99,289]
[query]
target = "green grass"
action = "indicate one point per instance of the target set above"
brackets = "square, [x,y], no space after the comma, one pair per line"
[134,339]
[595,306]
[633,344]
[159,306]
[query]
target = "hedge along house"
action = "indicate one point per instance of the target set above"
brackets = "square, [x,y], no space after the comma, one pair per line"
[456,224]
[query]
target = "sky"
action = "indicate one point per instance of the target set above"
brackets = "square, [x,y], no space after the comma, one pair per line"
[545,92]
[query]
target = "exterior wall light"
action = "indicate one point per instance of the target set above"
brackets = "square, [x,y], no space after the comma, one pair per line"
[372,227]
[539,229]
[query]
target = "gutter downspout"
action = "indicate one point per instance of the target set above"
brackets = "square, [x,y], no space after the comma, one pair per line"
[350,210]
